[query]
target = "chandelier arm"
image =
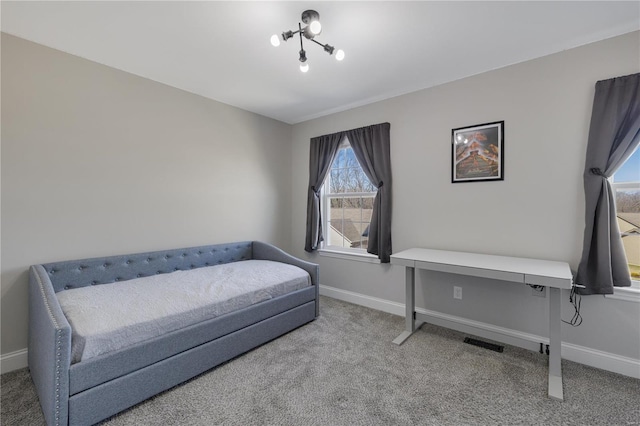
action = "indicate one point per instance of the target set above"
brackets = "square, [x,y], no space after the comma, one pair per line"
[300,33]
[327,48]
[286,35]
[303,54]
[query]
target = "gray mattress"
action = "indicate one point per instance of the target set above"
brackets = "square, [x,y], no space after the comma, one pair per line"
[109,317]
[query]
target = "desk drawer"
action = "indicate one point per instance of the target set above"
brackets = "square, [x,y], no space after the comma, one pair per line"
[548,281]
[402,261]
[474,272]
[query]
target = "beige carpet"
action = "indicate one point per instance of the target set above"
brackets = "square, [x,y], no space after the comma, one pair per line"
[342,369]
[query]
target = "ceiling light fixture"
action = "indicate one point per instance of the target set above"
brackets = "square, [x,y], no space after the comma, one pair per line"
[313,27]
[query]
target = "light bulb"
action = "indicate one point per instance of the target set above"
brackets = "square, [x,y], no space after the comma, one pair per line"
[275,40]
[340,54]
[304,67]
[315,27]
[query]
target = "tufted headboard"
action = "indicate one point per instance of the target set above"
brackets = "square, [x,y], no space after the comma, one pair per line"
[103,270]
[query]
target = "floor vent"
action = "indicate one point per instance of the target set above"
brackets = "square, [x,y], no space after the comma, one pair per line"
[482,344]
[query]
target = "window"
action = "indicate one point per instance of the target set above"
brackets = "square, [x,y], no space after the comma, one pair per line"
[626,185]
[347,203]
[333,208]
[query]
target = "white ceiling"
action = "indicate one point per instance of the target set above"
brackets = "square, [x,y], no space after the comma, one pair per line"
[221,50]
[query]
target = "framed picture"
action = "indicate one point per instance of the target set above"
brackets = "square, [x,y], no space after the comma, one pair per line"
[477,153]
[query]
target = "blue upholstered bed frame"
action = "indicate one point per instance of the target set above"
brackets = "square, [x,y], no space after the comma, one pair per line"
[95,389]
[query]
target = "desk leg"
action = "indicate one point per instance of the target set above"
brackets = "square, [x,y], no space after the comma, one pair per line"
[555,345]
[410,305]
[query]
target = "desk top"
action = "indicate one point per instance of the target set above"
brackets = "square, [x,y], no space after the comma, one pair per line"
[529,271]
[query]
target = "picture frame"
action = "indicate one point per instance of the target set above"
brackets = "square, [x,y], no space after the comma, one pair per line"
[477,153]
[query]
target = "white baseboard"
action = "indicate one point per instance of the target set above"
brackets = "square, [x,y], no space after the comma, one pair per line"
[581,354]
[13,361]
[603,360]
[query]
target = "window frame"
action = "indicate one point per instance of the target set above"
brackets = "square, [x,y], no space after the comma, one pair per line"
[625,293]
[359,254]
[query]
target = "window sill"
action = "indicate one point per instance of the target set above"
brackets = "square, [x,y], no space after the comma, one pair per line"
[358,257]
[630,294]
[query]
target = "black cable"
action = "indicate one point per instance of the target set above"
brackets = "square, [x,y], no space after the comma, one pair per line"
[575,299]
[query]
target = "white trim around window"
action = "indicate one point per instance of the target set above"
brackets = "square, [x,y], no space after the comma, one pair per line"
[352,254]
[629,294]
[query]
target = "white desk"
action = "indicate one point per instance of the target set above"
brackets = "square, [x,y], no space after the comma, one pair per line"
[555,275]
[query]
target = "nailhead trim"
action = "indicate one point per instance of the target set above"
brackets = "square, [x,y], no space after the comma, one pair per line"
[58,347]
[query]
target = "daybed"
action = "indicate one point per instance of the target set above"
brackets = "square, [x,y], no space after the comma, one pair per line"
[75,388]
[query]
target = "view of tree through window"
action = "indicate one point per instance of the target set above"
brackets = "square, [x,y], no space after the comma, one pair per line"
[626,184]
[349,202]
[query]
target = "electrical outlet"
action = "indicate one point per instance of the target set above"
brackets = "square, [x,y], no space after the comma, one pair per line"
[538,290]
[457,292]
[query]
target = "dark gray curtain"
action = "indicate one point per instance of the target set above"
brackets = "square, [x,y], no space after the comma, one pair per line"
[371,145]
[613,136]
[322,151]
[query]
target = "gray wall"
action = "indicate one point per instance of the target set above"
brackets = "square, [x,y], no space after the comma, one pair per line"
[96,162]
[537,211]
